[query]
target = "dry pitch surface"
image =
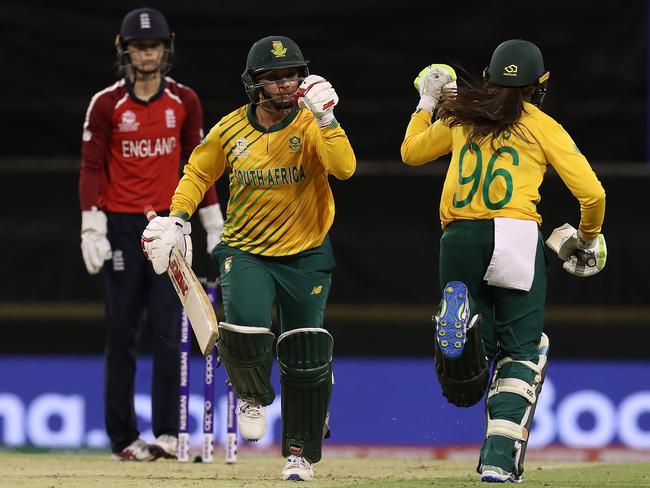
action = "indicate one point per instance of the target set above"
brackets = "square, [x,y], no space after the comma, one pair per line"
[94,470]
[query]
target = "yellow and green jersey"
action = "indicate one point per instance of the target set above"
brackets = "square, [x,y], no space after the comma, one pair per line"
[280,199]
[486,180]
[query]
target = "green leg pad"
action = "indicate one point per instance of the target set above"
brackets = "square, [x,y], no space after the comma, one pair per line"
[247,355]
[465,379]
[305,363]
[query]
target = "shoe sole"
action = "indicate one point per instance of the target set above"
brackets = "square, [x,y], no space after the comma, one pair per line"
[489,478]
[158,452]
[451,328]
[297,477]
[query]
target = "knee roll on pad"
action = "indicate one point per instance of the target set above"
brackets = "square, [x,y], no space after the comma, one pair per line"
[512,430]
[464,379]
[247,354]
[305,364]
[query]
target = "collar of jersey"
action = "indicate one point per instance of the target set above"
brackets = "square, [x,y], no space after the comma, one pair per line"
[250,113]
[159,93]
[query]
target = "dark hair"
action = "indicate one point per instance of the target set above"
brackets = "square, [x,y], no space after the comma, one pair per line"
[486,110]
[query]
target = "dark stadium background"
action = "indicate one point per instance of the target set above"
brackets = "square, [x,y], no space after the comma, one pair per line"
[56,55]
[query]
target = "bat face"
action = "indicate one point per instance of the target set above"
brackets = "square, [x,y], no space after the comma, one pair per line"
[193,298]
[177,278]
[195,301]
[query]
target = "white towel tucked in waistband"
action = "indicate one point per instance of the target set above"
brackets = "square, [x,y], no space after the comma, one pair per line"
[513,259]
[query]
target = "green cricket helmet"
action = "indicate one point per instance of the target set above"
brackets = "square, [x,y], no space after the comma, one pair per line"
[518,63]
[268,54]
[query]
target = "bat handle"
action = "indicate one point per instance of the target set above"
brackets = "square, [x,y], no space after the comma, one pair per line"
[586,258]
[150,212]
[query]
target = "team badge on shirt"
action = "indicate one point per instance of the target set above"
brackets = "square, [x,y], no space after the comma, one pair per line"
[129,122]
[170,118]
[241,148]
[295,144]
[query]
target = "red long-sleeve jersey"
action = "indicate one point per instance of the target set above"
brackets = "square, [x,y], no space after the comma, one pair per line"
[132,150]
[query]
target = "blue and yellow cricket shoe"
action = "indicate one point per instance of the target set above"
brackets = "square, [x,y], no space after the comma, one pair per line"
[451,322]
[494,474]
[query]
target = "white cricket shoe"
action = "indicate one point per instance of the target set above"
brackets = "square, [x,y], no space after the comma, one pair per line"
[297,469]
[251,420]
[164,447]
[494,474]
[138,450]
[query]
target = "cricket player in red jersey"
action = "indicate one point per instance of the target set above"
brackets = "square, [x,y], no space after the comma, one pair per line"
[135,136]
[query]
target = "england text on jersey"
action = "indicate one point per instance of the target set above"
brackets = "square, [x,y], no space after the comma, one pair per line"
[147,148]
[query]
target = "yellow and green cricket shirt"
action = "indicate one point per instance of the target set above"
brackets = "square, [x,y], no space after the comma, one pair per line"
[484,182]
[280,199]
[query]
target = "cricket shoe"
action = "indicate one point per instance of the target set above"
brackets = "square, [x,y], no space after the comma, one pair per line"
[452,320]
[251,420]
[164,446]
[494,474]
[297,469]
[138,450]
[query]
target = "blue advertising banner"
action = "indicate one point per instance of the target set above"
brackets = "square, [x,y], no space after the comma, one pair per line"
[57,401]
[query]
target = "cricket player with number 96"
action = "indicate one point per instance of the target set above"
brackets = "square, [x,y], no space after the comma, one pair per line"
[280,150]
[492,264]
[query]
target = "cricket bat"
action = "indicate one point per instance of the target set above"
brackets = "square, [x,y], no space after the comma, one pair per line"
[193,298]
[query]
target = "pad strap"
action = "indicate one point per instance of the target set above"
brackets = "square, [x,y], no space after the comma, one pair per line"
[506,428]
[513,385]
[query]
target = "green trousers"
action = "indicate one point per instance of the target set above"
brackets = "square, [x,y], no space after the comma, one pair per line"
[298,285]
[512,323]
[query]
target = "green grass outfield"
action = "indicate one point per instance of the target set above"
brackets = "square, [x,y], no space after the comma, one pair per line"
[98,470]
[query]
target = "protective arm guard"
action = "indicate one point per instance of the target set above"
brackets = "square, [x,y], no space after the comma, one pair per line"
[247,354]
[305,363]
[464,379]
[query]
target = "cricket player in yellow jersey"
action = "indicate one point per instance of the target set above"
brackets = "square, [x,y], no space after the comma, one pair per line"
[492,262]
[280,150]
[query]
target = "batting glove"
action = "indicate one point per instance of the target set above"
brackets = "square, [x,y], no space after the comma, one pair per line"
[591,260]
[95,247]
[212,221]
[430,83]
[160,237]
[317,95]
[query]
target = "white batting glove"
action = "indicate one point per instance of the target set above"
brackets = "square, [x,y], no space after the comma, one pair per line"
[564,241]
[317,94]
[430,83]
[95,247]
[589,259]
[212,221]
[161,235]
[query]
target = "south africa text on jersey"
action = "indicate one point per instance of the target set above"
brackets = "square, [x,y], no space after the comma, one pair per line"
[290,175]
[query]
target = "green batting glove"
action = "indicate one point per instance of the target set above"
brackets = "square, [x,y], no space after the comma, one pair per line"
[595,252]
